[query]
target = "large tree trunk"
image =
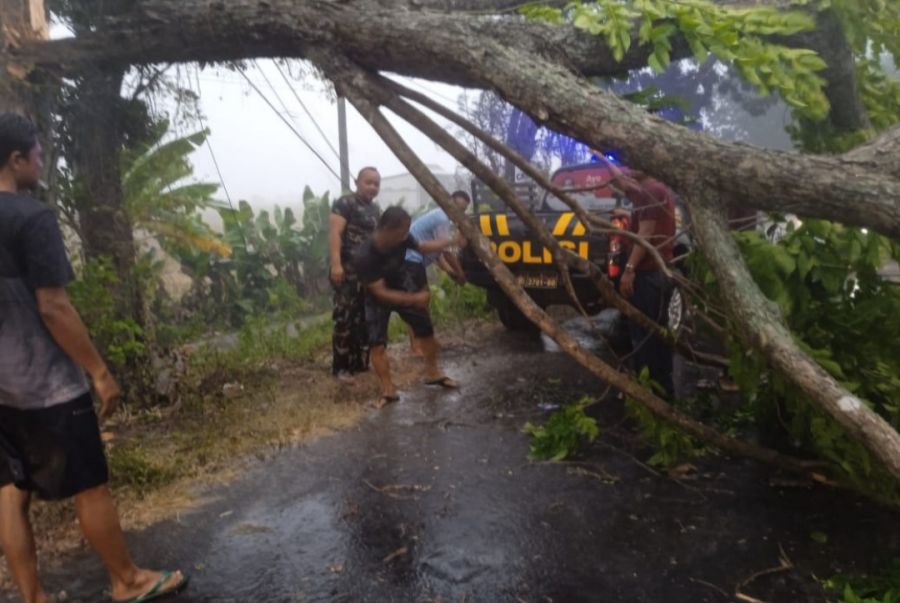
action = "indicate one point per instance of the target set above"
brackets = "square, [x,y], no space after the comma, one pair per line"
[96,141]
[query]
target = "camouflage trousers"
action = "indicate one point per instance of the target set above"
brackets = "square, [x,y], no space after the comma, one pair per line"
[349,342]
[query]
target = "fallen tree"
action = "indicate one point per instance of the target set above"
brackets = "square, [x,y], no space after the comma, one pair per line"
[529,65]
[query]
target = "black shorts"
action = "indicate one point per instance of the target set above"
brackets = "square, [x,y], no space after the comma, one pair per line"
[59,448]
[378,315]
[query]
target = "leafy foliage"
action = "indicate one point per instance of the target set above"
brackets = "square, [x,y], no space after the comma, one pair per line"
[452,303]
[882,588]
[274,267]
[825,279]
[120,338]
[672,445]
[732,35]
[160,199]
[562,434]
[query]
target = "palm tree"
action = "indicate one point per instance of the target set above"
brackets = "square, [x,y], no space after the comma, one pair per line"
[161,200]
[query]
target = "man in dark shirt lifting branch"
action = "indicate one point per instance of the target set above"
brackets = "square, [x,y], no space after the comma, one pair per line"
[392,287]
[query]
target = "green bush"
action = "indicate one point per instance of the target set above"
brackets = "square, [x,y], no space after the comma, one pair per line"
[131,467]
[825,279]
[562,434]
[880,588]
[119,339]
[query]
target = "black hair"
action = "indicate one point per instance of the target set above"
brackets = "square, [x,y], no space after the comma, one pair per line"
[461,195]
[17,133]
[394,217]
[368,168]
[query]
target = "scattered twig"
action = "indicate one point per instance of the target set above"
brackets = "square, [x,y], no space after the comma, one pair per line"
[784,565]
[398,553]
[393,489]
[710,585]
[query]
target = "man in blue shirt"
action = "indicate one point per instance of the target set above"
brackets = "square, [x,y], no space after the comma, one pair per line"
[435,225]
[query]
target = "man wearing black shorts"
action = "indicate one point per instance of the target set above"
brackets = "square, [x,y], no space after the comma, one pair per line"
[395,285]
[49,435]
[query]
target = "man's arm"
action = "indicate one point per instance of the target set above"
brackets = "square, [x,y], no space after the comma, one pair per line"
[68,330]
[392,297]
[646,229]
[453,267]
[336,226]
[428,247]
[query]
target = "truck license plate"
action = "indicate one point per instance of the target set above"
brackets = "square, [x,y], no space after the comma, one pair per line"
[538,281]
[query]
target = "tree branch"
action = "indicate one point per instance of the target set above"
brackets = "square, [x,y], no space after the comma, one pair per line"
[882,153]
[762,326]
[348,82]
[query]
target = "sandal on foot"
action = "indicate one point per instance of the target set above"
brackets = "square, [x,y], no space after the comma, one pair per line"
[384,401]
[157,591]
[445,382]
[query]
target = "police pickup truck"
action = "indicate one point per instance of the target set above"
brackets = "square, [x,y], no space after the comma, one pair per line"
[528,260]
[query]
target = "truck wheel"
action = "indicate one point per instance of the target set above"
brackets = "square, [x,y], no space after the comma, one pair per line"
[508,313]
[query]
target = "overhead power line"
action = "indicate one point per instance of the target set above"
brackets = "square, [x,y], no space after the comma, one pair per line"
[215,161]
[310,115]
[286,122]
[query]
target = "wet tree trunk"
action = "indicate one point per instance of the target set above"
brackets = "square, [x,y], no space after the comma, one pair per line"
[96,141]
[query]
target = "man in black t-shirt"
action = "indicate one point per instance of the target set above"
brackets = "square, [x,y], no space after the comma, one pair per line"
[352,221]
[49,434]
[380,263]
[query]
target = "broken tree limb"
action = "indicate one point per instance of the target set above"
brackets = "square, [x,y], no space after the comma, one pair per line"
[530,170]
[381,90]
[762,326]
[346,80]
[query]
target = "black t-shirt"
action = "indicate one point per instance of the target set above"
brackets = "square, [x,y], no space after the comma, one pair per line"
[362,218]
[372,265]
[34,370]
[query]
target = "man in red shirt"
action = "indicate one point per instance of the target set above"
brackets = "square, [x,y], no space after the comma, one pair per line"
[644,283]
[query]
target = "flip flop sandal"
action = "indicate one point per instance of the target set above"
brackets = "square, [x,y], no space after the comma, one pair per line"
[385,400]
[445,382]
[157,591]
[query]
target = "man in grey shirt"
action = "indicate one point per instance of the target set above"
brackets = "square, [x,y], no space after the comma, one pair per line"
[49,435]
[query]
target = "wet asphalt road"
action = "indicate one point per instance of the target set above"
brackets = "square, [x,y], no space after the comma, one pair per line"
[433,499]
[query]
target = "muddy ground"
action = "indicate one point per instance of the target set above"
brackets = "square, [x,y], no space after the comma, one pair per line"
[433,499]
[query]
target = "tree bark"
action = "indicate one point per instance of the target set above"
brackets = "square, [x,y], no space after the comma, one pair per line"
[21,22]
[526,63]
[762,326]
[96,141]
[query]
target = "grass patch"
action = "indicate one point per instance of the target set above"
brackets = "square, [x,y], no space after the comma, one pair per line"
[133,467]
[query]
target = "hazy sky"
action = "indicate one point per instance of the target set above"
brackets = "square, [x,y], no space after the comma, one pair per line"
[263,162]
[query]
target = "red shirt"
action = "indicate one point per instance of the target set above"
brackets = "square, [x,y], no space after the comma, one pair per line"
[654,202]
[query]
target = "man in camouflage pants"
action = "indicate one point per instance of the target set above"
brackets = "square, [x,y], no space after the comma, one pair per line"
[353,219]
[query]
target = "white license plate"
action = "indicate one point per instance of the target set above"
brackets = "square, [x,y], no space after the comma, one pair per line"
[538,281]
